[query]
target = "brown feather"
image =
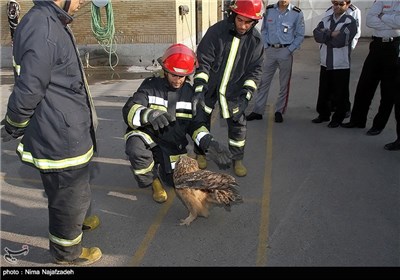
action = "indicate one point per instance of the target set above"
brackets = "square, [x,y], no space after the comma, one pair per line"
[200,190]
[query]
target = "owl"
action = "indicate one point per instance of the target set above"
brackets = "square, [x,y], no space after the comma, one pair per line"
[200,190]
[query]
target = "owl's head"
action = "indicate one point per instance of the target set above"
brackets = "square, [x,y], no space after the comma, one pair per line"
[185,165]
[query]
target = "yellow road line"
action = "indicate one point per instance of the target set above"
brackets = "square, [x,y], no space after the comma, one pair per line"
[264,223]
[148,238]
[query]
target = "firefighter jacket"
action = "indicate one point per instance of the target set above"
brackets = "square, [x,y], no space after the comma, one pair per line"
[155,94]
[228,63]
[50,99]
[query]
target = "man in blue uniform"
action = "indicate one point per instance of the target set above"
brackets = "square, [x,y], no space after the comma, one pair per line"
[51,107]
[282,32]
[159,115]
[230,65]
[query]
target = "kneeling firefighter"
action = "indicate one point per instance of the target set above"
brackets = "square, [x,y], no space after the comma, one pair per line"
[159,117]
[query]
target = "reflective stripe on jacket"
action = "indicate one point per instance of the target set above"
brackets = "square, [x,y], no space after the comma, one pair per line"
[152,94]
[50,98]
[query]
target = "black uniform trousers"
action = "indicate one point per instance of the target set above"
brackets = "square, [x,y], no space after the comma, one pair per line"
[237,132]
[333,93]
[379,67]
[69,196]
[397,100]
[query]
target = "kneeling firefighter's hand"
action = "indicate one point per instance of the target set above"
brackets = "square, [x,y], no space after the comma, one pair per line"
[219,154]
[159,119]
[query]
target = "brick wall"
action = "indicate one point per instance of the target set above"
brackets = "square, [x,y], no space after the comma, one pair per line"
[143,28]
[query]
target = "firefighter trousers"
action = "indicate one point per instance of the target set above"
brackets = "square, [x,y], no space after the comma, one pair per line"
[69,197]
[147,162]
[237,132]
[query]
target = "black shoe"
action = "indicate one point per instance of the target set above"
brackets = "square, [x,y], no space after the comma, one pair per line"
[348,114]
[394,146]
[333,124]
[278,117]
[320,119]
[351,124]
[254,116]
[374,131]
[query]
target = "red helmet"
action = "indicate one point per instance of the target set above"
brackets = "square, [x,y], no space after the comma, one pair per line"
[179,60]
[247,8]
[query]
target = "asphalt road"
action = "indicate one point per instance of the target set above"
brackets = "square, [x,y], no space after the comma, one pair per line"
[313,197]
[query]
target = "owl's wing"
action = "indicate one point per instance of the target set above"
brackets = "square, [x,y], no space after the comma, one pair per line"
[205,180]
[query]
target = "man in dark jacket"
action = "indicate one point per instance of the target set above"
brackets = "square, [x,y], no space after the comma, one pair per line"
[230,67]
[159,116]
[51,107]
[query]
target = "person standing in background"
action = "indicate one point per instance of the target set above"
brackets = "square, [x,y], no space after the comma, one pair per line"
[395,146]
[51,108]
[379,67]
[230,66]
[335,33]
[355,12]
[282,33]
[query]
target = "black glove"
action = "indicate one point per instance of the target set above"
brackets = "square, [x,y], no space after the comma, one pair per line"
[219,154]
[200,89]
[244,98]
[9,132]
[159,119]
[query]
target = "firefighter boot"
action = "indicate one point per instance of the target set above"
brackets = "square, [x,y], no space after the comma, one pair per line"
[159,194]
[201,161]
[88,256]
[90,223]
[239,168]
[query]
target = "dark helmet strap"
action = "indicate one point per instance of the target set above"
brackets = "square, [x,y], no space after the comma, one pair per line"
[66,5]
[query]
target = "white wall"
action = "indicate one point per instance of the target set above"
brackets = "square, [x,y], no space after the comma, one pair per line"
[314,9]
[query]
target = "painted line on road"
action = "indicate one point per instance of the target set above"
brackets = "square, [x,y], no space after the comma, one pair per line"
[265,203]
[148,238]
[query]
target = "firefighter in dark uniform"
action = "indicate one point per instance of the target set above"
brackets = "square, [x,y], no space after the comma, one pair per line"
[51,107]
[379,67]
[159,117]
[230,66]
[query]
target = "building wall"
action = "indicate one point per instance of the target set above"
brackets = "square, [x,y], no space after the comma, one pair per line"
[145,28]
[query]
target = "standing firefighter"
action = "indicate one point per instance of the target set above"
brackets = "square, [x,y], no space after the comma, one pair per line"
[230,67]
[159,116]
[51,107]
